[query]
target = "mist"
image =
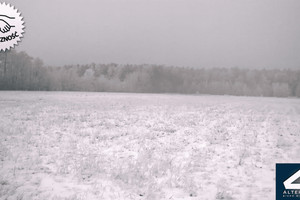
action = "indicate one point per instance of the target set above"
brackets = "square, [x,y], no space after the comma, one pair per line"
[190,33]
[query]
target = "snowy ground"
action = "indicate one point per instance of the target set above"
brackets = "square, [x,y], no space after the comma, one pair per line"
[64,145]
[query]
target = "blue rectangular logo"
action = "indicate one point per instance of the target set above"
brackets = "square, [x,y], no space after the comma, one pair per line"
[287,181]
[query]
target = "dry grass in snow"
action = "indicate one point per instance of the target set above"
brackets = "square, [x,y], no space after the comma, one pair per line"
[71,146]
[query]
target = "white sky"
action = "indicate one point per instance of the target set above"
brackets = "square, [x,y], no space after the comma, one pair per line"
[195,33]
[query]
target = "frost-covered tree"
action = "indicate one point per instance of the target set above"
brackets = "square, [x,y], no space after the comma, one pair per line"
[18,71]
[281,89]
[297,90]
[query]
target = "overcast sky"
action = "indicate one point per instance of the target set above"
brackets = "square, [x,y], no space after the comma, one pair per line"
[195,33]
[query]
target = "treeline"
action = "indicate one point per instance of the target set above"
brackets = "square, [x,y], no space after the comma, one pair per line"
[18,71]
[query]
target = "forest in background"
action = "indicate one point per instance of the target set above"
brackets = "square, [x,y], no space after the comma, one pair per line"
[19,71]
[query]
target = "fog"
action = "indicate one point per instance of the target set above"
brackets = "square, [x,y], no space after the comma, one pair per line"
[194,33]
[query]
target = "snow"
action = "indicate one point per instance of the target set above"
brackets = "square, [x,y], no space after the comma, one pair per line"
[76,145]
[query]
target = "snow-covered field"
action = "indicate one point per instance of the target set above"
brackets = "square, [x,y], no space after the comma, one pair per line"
[74,145]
